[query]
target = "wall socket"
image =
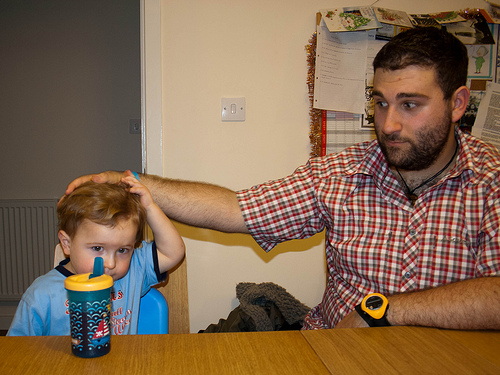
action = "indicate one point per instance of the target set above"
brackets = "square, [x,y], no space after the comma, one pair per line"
[134,126]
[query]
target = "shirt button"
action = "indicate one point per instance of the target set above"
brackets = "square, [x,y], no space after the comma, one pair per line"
[407,275]
[412,232]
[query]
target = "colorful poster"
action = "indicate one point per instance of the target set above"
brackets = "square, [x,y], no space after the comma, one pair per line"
[447,17]
[393,17]
[350,19]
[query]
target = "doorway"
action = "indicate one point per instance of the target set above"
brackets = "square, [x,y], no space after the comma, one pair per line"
[71,84]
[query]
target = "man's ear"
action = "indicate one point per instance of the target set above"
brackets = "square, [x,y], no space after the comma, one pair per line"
[459,102]
[65,240]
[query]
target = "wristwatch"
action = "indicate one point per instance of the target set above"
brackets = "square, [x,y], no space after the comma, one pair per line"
[373,310]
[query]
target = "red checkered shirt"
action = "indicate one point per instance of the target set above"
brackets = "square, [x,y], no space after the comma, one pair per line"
[375,240]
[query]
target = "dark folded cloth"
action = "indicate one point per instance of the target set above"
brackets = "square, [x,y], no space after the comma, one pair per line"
[263,307]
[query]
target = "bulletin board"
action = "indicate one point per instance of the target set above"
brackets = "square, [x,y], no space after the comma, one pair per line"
[340,77]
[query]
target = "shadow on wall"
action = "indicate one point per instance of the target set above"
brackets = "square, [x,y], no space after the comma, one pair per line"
[245,240]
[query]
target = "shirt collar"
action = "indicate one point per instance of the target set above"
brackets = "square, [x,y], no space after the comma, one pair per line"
[465,164]
[372,164]
[63,270]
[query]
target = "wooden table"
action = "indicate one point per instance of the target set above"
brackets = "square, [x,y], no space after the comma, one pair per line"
[406,350]
[389,350]
[216,353]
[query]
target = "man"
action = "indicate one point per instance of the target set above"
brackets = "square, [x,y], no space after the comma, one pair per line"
[413,216]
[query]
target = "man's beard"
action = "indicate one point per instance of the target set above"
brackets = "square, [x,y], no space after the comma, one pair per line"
[423,152]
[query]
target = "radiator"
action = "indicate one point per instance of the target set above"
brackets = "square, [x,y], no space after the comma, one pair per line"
[27,240]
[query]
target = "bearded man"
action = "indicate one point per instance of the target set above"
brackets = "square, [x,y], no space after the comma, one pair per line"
[411,219]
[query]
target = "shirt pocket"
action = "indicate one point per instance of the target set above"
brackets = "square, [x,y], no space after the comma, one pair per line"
[448,257]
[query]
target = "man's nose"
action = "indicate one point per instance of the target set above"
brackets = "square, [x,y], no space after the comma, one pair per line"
[392,122]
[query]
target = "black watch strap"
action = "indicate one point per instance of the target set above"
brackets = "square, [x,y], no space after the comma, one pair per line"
[371,321]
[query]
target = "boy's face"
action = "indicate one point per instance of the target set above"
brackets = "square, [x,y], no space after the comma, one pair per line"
[114,245]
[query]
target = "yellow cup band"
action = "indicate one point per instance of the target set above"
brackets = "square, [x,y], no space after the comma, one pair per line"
[82,282]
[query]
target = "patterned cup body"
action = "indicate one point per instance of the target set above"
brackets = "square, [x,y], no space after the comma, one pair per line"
[90,314]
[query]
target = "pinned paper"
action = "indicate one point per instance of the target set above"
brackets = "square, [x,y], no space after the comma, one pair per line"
[350,19]
[393,17]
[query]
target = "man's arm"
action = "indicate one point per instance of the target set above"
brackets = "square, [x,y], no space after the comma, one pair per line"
[469,304]
[194,203]
[197,204]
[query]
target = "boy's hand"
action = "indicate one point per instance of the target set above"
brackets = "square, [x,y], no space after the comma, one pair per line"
[169,243]
[137,188]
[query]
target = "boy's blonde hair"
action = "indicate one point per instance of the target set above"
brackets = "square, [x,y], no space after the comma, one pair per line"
[104,204]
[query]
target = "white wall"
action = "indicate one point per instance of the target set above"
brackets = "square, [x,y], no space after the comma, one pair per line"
[221,48]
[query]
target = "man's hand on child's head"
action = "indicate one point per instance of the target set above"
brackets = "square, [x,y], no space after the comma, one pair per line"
[128,173]
[109,176]
[137,188]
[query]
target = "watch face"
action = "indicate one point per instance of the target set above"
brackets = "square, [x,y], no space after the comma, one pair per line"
[374,302]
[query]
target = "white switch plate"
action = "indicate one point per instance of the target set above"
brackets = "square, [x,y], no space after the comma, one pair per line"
[233,109]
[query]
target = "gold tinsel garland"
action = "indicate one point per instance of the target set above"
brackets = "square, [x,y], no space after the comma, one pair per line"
[315,132]
[469,13]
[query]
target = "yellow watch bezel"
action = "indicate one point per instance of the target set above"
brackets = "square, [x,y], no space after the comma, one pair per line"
[378,313]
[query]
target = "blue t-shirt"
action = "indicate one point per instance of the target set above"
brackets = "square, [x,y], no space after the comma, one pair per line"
[43,310]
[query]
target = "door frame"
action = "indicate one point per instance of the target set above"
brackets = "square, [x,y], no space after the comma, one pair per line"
[151,99]
[176,290]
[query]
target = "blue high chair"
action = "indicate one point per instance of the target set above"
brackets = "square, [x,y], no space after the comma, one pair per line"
[153,314]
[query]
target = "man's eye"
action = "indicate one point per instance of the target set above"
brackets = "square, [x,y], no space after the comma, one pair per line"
[380,103]
[410,105]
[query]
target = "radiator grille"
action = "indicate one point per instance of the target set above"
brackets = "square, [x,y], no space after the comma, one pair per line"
[27,240]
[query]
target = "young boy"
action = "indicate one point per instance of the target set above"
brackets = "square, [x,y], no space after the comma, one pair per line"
[102,220]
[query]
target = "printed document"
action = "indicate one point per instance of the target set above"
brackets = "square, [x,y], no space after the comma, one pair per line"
[487,124]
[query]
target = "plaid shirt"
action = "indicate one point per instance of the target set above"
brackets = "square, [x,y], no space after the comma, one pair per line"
[376,241]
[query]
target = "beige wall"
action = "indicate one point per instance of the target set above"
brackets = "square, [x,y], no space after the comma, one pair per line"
[255,49]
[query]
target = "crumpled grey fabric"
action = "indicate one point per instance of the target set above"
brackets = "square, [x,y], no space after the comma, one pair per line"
[263,307]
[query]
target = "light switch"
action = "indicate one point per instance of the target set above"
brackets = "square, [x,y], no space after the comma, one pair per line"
[134,126]
[233,109]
